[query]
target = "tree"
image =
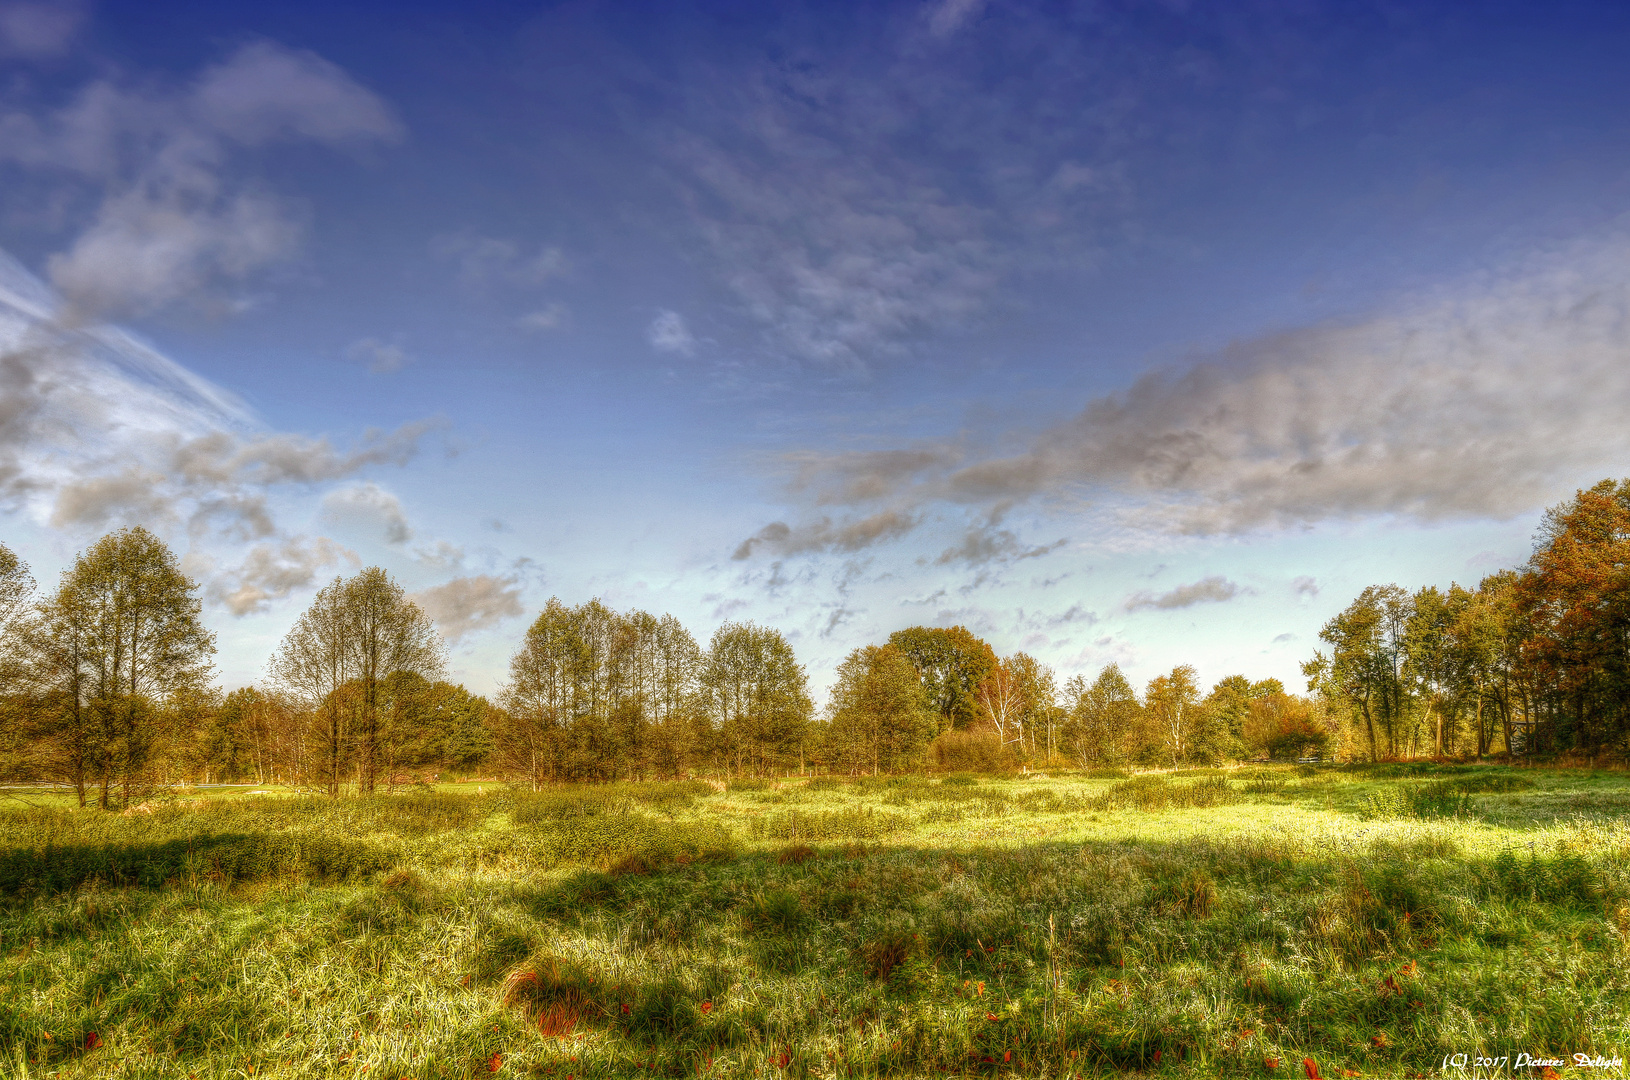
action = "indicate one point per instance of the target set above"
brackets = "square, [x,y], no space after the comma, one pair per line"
[539,698]
[1174,703]
[387,636]
[1001,698]
[878,715]
[756,698]
[312,665]
[952,664]
[121,634]
[16,592]
[339,658]
[1102,720]
[1365,668]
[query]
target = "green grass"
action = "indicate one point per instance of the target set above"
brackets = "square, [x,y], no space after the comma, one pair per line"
[1373,919]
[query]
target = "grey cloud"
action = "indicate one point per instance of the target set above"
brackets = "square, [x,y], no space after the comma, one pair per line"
[149,249]
[274,570]
[1073,614]
[129,496]
[265,92]
[983,544]
[370,507]
[38,29]
[1305,586]
[1206,590]
[825,536]
[1280,639]
[467,605]
[440,556]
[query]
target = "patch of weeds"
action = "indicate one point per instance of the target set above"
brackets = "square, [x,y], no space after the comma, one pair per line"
[1191,896]
[1156,793]
[854,823]
[796,855]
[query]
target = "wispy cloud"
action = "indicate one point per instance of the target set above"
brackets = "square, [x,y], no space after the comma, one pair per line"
[39,29]
[97,429]
[175,220]
[485,261]
[1484,402]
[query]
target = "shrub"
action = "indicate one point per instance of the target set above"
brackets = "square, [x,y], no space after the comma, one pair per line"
[971,752]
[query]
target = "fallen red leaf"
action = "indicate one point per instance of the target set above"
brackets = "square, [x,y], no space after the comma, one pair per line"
[1311,1068]
[92,1041]
[495,1062]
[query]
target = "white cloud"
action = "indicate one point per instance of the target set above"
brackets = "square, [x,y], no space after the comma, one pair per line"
[371,508]
[668,333]
[272,571]
[468,605]
[949,16]
[381,357]
[549,317]
[39,29]
[175,223]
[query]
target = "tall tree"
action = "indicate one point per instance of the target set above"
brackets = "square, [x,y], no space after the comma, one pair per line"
[122,633]
[878,716]
[313,665]
[953,664]
[757,698]
[1102,720]
[1173,700]
[386,636]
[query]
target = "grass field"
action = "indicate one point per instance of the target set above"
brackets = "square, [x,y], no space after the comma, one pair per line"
[1232,923]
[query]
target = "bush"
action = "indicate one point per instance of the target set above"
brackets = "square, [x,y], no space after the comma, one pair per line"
[971,752]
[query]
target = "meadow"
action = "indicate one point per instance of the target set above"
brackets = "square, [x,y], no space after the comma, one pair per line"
[1264,921]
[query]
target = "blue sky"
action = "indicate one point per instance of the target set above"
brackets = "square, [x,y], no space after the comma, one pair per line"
[1145,333]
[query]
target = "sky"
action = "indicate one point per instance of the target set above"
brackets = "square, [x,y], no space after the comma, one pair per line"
[1144,333]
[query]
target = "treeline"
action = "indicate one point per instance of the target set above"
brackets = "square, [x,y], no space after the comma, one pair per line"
[107,689]
[1533,660]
